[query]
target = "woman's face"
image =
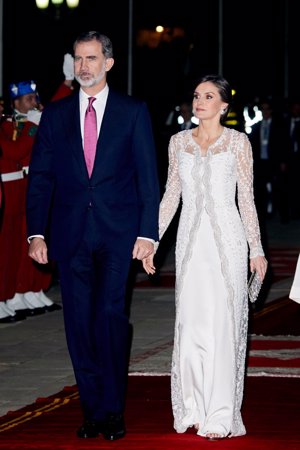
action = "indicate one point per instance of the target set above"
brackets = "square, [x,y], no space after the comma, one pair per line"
[207,102]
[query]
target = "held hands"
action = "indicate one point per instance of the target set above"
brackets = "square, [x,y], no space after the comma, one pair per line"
[148,265]
[38,250]
[142,249]
[259,264]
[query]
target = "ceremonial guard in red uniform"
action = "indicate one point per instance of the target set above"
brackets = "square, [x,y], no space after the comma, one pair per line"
[22,283]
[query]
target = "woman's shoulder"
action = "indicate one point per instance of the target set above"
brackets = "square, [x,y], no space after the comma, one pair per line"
[180,141]
[237,135]
[181,135]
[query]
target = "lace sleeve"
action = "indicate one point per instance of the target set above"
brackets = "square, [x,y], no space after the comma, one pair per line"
[246,197]
[171,197]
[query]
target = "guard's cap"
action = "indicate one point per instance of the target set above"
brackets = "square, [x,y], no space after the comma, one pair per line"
[22,88]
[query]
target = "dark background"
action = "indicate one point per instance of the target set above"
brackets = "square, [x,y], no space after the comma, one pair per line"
[260,47]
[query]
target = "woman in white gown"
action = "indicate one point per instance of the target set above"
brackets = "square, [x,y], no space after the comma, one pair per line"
[207,165]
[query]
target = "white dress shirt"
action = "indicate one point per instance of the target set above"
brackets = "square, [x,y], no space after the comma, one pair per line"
[99,106]
[264,138]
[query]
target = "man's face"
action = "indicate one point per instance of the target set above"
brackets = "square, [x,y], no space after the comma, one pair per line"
[26,103]
[266,110]
[296,109]
[90,65]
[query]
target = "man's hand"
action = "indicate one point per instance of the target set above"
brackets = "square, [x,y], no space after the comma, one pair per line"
[142,249]
[38,250]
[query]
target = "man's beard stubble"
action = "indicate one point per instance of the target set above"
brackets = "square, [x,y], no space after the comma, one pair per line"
[91,81]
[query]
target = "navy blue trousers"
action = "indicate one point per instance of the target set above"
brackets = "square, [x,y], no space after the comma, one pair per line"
[93,287]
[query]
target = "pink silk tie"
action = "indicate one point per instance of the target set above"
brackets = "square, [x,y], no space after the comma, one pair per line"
[90,135]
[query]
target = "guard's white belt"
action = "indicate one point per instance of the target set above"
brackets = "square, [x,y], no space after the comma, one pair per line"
[12,176]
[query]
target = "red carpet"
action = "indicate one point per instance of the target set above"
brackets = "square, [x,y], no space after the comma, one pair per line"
[281,317]
[271,408]
[274,356]
[270,411]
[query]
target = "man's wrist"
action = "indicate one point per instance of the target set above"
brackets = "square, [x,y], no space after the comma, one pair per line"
[30,238]
[146,239]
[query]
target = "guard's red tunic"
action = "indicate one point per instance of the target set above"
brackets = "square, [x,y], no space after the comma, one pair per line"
[18,272]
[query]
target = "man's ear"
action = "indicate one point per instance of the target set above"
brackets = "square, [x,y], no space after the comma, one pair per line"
[109,63]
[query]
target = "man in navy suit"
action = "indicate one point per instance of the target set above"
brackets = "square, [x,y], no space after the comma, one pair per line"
[94,225]
[267,140]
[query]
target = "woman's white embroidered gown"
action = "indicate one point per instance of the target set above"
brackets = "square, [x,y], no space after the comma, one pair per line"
[208,362]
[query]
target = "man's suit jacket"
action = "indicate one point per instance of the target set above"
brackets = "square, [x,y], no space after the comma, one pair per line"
[291,139]
[122,193]
[275,144]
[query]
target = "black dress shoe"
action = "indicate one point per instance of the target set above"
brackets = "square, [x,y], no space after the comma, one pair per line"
[20,315]
[53,307]
[90,429]
[29,312]
[13,319]
[35,311]
[114,427]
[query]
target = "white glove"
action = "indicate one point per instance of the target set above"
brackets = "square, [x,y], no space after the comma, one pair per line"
[68,67]
[34,116]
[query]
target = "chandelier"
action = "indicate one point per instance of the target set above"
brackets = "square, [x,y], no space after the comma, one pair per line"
[43,4]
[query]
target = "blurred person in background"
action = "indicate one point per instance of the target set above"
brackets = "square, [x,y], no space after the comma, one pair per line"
[23,282]
[269,169]
[267,140]
[2,107]
[292,150]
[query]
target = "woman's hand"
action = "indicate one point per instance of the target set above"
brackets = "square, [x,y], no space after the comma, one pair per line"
[148,264]
[259,264]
